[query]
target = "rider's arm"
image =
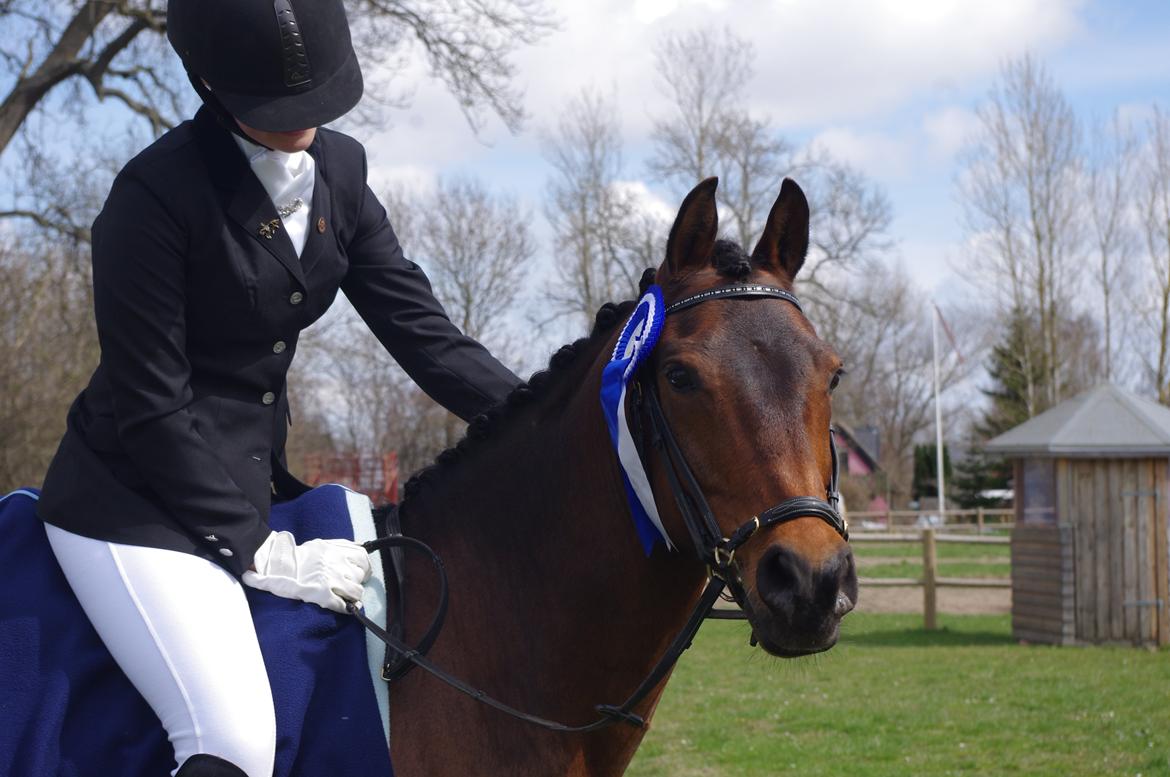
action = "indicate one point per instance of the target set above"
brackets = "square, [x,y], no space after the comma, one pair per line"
[394,297]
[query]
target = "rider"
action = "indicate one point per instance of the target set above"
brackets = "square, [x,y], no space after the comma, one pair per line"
[217,245]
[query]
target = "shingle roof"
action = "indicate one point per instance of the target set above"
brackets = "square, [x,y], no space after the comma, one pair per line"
[1106,421]
[855,442]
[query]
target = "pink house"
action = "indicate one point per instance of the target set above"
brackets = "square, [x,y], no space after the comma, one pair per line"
[858,450]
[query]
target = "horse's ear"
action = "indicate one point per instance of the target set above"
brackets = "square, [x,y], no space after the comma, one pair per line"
[785,240]
[692,238]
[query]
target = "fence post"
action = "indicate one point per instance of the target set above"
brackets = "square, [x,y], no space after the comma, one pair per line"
[929,573]
[979,520]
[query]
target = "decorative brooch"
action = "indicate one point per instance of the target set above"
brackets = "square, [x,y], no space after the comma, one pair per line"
[268,228]
[289,208]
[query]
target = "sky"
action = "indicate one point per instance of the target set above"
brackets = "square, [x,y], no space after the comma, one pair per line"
[890,86]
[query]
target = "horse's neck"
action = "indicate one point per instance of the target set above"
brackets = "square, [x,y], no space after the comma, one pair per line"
[554,606]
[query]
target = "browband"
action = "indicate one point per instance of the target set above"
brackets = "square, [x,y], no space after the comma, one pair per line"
[744,290]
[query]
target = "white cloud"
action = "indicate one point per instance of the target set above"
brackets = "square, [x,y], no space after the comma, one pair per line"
[832,61]
[885,84]
[647,201]
[935,266]
[1134,115]
[818,63]
[948,130]
[649,11]
[413,178]
[875,153]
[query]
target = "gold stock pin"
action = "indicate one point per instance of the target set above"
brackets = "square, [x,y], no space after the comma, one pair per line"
[268,228]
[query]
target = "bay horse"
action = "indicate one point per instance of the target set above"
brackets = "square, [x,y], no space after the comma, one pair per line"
[554,606]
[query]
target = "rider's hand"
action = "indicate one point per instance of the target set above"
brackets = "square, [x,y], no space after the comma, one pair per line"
[324,572]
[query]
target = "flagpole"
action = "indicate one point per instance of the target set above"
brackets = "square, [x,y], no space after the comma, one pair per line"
[938,433]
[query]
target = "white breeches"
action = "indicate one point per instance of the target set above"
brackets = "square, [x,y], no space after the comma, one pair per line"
[179,627]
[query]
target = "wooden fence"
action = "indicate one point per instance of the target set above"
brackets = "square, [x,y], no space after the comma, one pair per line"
[978,521]
[930,580]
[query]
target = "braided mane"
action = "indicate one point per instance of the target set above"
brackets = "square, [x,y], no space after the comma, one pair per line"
[729,260]
[485,425]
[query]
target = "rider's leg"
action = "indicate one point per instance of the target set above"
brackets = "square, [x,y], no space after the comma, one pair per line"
[180,628]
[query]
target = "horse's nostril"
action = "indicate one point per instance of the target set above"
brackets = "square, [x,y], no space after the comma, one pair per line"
[791,588]
[781,579]
[844,606]
[847,575]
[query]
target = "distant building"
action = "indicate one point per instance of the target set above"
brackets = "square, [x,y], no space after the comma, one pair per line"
[376,476]
[857,451]
[1089,552]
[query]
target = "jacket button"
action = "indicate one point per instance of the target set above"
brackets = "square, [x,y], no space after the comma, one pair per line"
[321,225]
[278,346]
[296,298]
[226,552]
[268,398]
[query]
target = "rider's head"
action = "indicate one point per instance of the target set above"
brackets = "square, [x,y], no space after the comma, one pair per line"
[272,70]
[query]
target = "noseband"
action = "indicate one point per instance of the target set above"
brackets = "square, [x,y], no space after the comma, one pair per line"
[716,551]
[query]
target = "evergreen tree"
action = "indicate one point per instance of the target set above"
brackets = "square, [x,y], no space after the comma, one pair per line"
[977,474]
[926,470]
[1017,375]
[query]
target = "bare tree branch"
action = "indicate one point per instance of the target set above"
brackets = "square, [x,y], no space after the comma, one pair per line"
[467,45]
[705,74]
[709,132]
[886,346]
[61,63]
[114,46]
[1113,156]
[476,246]
[73,231]
[1154,202]
[599,231]
[1021,198]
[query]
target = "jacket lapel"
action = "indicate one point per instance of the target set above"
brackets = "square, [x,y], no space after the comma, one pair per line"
[251,208]
[316,240]
[246,202]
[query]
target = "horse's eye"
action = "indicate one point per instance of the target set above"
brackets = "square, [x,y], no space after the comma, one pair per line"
[680,378]
[836,381]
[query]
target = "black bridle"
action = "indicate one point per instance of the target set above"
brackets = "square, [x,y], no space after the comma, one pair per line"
[714,550]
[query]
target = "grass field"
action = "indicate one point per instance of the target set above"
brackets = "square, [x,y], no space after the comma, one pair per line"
[891,699]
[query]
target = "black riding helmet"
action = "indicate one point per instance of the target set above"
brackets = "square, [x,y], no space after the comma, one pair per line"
[274,66]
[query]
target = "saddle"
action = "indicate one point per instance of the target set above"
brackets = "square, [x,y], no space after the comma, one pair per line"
[68,711]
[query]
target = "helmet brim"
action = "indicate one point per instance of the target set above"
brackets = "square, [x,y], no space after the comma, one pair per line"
[323,103]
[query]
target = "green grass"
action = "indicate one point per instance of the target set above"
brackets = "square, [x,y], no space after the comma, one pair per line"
[913,569]
[894,701]
[945,550]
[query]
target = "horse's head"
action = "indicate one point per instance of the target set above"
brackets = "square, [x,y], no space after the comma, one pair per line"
[745,384]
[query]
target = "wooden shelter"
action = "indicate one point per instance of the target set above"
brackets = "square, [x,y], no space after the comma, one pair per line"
[1089,551]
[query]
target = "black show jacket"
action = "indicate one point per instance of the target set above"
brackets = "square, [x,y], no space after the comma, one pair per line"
[172,443]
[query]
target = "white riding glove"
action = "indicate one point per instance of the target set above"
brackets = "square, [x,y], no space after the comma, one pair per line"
[327,573]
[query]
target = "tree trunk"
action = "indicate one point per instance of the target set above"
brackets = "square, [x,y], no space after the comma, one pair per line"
[61,63]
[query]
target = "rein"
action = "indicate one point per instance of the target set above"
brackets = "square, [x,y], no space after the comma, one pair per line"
[714,550]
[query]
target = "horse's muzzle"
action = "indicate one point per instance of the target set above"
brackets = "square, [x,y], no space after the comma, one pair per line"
[802,605]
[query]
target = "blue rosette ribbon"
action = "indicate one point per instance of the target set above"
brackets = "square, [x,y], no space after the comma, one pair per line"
[637,340]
